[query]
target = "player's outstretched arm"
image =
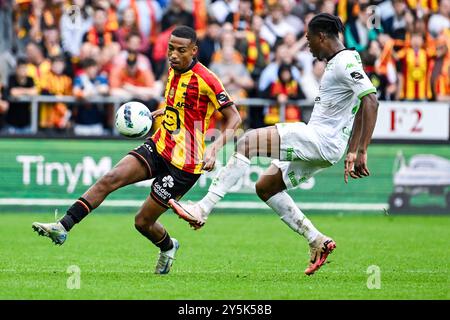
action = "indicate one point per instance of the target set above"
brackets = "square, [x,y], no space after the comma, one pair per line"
[232,122]
[364,124]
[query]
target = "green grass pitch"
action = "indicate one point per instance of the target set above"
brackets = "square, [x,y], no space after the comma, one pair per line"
[236,256]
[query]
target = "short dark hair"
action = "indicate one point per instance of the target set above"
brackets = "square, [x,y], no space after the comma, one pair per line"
[21,61]
[88,62]
[99,8]
[185,32]
[36,44]
[326,23]
[58,57]
[282,68]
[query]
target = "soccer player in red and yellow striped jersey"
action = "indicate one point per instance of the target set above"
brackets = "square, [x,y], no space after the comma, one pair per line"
[191,97]
[175,156]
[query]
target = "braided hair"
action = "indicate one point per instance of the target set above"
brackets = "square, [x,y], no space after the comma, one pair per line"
[326,23]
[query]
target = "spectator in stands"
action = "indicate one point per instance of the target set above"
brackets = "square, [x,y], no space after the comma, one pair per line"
[304,56]
[19,114]
[254,49]
[41,17]
[99,36]
[177,14]
[55,115]
[38,66]
[210,43]
[51,42]
[294,21]
[293,46]
[220,9]
[233,74]
[74,23]
[328,6]
[227,37]
[109,6]
[276,25]
[396,25]
[148,13]
[423,8]
[413,70]
[241,18]
[227,40]
[439,71]
[310,80]
[284,88]
[385,85]
[131,82]
[303,8]
[7,59]
[52,47]
[133,44]
[440,21]
[360,32]
[129,26]
[22,15]
[270,73]
[4,105]
[89,116]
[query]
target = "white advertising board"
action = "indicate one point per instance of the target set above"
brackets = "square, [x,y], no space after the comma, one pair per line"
[412,121]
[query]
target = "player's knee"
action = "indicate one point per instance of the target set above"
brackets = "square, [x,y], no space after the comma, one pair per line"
[263,190]
[141,224]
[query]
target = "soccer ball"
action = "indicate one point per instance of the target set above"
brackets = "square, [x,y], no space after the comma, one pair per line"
[133,119]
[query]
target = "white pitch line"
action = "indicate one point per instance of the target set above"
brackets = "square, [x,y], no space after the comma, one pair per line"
[259,205]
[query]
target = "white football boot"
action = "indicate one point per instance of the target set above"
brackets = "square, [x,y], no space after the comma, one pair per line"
[55,231]
[166,258]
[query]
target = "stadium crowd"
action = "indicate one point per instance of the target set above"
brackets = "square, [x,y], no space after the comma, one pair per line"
[258,48]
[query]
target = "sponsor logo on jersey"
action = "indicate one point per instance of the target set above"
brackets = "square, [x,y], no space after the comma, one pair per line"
[189,86]
[222,98]
[356,75]
[183,105]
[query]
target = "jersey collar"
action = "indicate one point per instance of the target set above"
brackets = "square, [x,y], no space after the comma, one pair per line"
[193,63]
[337,52]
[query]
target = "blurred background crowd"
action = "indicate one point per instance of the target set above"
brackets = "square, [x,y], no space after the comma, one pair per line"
[90,49]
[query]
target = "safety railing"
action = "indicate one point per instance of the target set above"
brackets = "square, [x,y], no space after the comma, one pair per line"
[117,101]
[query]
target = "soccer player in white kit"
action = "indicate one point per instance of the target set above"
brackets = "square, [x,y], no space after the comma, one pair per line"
[343,117]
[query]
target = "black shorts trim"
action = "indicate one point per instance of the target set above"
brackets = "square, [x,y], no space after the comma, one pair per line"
[143,161]
[160,202]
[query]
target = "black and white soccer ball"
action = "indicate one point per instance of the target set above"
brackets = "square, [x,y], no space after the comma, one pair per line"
[133,120]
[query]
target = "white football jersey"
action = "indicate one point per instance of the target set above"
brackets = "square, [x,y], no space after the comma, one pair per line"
[342,87]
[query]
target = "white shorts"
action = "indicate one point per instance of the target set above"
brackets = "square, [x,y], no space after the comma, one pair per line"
[300,156]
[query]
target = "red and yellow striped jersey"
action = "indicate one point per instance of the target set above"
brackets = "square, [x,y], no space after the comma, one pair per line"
[191,98]
[415,66]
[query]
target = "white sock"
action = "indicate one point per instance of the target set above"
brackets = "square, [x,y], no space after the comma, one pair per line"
[286,208]
[223,181]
